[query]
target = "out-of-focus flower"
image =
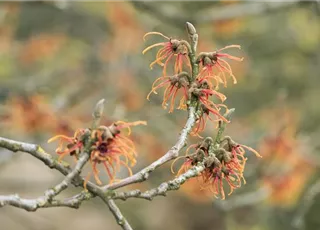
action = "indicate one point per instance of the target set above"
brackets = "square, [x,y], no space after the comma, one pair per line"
[41,46]
[294,180]
[288,165]
[29,114]
[171,48]
[126,31]
[131,97]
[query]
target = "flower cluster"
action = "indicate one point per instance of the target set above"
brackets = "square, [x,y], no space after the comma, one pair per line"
[107,145]
[200,87]
[223,164]
[196,80]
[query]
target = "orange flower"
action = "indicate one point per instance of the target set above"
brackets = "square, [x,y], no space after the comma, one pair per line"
[295,180]
[283,146]
[231,168]
[171,48]
[214,62]
[201,122]
[218,171]
[203,119]
[210,106]
[107,145]
[70,145]
[29,114]
[226,163]
[173,84]
[112,149]
[203,90]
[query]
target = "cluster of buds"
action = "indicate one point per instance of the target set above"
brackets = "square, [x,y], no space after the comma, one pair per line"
[223,163]
[107,145]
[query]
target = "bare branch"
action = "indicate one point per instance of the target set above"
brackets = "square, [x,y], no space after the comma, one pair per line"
[45,201]
[75,201]
[34,204]
[47,159]
[68,179]
[163,188]
[173,184]
[37,152]
[171,154]
[121,220]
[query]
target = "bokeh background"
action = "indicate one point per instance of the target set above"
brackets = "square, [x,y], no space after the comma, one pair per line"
[58,58]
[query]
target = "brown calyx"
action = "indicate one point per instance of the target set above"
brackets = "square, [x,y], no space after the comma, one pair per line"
[178,47]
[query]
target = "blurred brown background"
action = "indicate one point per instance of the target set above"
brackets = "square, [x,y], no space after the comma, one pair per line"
[58,58]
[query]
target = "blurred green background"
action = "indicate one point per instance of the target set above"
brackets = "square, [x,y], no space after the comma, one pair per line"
[58,58]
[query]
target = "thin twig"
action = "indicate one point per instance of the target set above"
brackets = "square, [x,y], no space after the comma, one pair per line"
[171,154]
[121,220]
[47,159]
[45,201]
[163,188]
[34,204]
[68,179]
[222,126]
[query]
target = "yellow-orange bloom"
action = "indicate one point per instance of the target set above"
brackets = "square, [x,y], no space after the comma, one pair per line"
[173,85]
[69,145]
[203,91]
[108,145]
[112,148]
[222,165]
[213,63]
[170,48]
